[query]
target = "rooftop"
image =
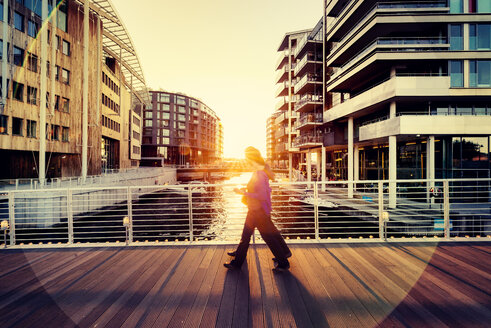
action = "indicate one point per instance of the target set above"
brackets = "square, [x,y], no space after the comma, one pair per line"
[335,285]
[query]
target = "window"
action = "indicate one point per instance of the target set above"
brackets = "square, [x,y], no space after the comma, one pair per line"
[32,28]
[164,132]
[480,73]
[18,56]
[57,44]
[136,135]
[18,91]
[7,88]
[136,120]
[32,62]
[17,125]
[65,132]
[483,6]
[1,11]
[181,117]
[19,21]
[136,150]
[32,95]
[165,115]
[480,36]
[1,49]
[57,102]
[148,123]
[61,16]
[148,114]
[164,97]
[65,105]
[31,129]
[181,100]
[165,123]
[181,125]
[66,48]
[181,109]
[55,132]
[48,133]
[65,76]
[456,6]
[180,134]
[57,74]
[165,141]
[4,121]
[456,75]
[456,40]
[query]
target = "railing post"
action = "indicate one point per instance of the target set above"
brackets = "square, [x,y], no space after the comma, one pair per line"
[12,218]
[69,205]
[316,210]
[190,203]
[446,209]
[381,230]
[16,184]
[130,214]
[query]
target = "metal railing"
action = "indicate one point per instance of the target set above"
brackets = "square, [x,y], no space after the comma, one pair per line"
[404,209]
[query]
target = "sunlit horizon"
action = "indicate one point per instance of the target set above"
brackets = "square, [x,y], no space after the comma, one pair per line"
[219,51]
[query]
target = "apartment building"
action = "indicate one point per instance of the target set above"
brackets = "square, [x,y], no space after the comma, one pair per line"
[180,130]
[407,91]
[54,80]
[410,89]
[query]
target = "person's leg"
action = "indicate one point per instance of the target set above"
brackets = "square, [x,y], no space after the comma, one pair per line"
[270,235]
[241,252]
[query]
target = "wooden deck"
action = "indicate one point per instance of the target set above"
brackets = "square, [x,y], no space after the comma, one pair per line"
[329,285]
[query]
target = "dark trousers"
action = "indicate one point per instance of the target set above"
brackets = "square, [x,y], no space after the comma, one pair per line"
[260,220]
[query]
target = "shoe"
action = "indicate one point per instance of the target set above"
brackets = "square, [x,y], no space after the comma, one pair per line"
[231,266]
[287,256]
[232,253]
[281,268]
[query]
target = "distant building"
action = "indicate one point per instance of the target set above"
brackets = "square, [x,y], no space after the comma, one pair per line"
[180,130]
[43,82]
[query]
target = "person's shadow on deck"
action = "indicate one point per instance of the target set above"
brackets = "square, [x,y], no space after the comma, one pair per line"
[256,299]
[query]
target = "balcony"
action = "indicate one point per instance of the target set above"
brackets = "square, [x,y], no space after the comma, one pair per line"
[280,148]
[309,83]
[309,121]
[280,133]
[283,58]
[343,28]
[415,124]
[308,43]
[308,63]
[282,89]
[308,141]
[398,86]
[282,104]
[308,102]
[396,45]
[281,118]
[282,74]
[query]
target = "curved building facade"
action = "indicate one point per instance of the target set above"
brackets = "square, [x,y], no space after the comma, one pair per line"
[180,130]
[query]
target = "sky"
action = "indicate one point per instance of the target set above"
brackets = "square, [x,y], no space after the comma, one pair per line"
[222,52]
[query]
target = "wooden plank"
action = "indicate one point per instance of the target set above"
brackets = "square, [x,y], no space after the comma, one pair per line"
[145,307]
[212,307]
[375,305]
[323,310]
[240,311]
[330,274]
[227,303]
[127,294]
[198,309]
[184,307]
[256,315]
[87,293]
[466,256]
[165,303]
[269,306]
[385,288]
[30,301]
[280,294]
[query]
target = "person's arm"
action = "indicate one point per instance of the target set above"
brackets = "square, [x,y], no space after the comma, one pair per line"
[261,188]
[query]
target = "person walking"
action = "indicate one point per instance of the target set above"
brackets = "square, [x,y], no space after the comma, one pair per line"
[258,200]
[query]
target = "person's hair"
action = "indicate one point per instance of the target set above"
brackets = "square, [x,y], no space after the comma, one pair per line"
[269,172]
[254,155]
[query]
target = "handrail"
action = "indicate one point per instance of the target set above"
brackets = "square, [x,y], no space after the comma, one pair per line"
[448,209]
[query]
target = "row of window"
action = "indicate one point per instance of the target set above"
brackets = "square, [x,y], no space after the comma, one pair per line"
[108,102]
[52,131]
[479,37]
[479,73]
[110,124]
[35,7]
[110,83]
[61,103]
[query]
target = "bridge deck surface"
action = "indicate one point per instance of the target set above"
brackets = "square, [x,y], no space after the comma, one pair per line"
[329,285]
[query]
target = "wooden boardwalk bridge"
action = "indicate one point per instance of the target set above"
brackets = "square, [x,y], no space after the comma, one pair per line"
[329,285]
